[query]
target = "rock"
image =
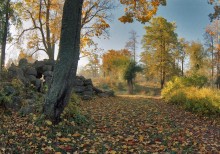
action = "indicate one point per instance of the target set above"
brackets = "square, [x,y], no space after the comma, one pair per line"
[79,89]
[102,95]
[23,62]
[14,104]
[47,68]
[32,78]
[38,85]
[25,110]
[89,88]
[88,93]
[106,94]
[16,72]
[49,62]
[38,64]
[9,90]
[86,97]
[82,78]
[31,71]
[48,74]
[78,82]
[88,82]
[110,93]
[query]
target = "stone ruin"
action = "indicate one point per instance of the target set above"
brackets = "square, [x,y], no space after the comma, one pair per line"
[40,73]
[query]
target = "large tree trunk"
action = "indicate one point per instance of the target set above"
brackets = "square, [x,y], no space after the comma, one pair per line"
[5,34]
[67,61]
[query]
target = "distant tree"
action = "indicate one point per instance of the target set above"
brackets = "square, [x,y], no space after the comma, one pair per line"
[197,56]
[211,39]
[130,74]
[181,53]
[158,42]
[114,62]
[132,43]
[93,65]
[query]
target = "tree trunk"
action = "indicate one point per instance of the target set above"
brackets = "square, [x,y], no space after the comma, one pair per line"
[130,87]
[5,34]
[67,61]
[182,67]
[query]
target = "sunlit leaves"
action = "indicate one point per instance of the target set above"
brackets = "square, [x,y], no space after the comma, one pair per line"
[141,10]
[115,62]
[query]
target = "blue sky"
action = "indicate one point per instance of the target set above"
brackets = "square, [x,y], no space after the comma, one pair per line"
[191,17]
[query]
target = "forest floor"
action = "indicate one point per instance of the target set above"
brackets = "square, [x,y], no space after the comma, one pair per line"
[120,124]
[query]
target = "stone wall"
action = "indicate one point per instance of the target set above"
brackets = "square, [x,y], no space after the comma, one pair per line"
[40,73]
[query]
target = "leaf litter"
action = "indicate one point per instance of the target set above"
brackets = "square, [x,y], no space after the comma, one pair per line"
[117,125]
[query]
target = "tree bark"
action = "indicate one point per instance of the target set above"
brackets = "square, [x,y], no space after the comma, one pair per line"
[130,87]
[67,61]
[5,34]
[182,66]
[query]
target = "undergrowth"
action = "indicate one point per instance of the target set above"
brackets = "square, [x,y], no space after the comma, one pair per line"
[190,93]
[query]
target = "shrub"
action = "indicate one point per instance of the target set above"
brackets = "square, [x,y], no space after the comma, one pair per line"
[196,81]
[191,96]
[72,111]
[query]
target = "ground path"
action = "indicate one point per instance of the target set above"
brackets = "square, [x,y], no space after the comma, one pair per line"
[121,124]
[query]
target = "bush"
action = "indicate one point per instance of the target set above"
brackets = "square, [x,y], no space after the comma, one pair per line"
[72,111]
[196,81]
[191,95]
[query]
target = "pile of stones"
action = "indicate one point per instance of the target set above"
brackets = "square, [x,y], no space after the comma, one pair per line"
[36,74]
[40,73]
[84,87]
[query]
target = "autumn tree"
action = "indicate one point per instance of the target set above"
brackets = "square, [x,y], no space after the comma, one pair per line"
[43,31]
[45,16]
[93,66]
[158,42]
[66,66]
[197,56]
[211,41]
[216,13]
[114,62]
[130,74]
[181,54]
[132,43]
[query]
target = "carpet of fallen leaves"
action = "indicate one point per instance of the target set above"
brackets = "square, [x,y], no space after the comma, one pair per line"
[116,125]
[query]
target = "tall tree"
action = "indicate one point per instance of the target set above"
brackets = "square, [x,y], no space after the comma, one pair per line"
[181,53]
[158,42]
[132,43]
[5,15]
[66,66]
[197,56]
[211,39]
